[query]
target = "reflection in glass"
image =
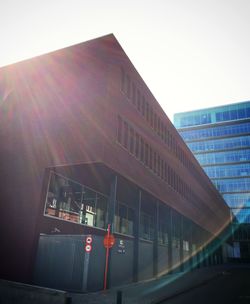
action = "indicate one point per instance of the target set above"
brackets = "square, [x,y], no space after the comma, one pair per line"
[71,201]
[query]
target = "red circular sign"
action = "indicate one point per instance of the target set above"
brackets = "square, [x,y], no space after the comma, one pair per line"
[89,240]
[109,241]
[88,248]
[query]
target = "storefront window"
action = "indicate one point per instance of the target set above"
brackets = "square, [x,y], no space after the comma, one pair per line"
[124,219]
[162,233]
[71,201]
[146,227]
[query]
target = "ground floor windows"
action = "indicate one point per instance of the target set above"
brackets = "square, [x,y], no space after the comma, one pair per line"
[146,227]
[71,201]
[124,219]
[142,216]
[162,233]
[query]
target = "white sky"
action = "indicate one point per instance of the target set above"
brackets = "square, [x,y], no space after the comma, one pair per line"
[191,53]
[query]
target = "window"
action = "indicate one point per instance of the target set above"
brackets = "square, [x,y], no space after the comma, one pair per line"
[147,112]
[137,145]
[142,151]
[119,131]
[166,172]
[158,164]
[162,233]
[150,158]
[185,245]
[131,141]
[146,226]
[124,219]
[128,86]
[155,162]
[122,80]
[138,100]
[162,169]
[125,143]
[146,155]
[133,94]
[143,106]
[158,126]
[155,121]
[71,201]
[151,117]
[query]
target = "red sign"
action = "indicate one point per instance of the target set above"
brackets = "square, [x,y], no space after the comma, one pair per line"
[109,240]
[88,248]
[89,240]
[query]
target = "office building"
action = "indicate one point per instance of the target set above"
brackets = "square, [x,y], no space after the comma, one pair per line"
[220,140]
[84,144]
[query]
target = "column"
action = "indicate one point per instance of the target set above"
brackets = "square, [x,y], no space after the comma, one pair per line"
[137,238]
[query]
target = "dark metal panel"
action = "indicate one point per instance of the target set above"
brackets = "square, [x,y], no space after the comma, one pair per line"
[163,266]
[145,260]
[121,265]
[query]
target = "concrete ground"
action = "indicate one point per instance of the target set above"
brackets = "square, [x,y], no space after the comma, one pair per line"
[217,284]
[153,291]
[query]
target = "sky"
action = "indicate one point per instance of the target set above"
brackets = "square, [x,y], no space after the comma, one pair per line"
[192,54]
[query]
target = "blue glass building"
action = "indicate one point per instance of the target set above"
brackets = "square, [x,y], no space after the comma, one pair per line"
[219,138]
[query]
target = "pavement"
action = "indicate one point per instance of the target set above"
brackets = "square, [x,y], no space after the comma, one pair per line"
[153,291]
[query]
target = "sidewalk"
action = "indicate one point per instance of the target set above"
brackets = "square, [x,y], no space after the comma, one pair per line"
[155,290]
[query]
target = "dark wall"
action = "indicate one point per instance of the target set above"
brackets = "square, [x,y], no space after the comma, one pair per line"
[61,109]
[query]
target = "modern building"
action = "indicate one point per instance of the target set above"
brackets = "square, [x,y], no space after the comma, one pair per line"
[220,140]
[84,144]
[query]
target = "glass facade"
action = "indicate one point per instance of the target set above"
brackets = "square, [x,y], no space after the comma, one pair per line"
[220,140]
[220,144]
[68,200]
[213,132]
[228,170]
[226,113]
[223,157]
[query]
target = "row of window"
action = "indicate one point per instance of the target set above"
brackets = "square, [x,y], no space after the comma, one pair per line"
[242,232]
[221,131]
[71,201]
[139,101]
[232,185]
[223,157]
[74,202]
[228,171]
[237,200]
[198,119]
[220,144]
[234,114]
[136,145]
[242,215]
[201,117]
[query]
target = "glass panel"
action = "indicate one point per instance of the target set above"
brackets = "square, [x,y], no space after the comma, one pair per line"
[146,227]
[124,219]
[71,201]
[215,131]
[223,157]
[228,170]
[101,211]
[232,185]
[220,144]
[238,200]
[89,207]
[162,233]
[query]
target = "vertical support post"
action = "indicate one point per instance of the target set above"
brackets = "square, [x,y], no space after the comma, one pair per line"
[112,203]
[106,263]
[181,247]
[155,244]
[111,216]
[119,297]
[191,260]
[170,252]
[137,238]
